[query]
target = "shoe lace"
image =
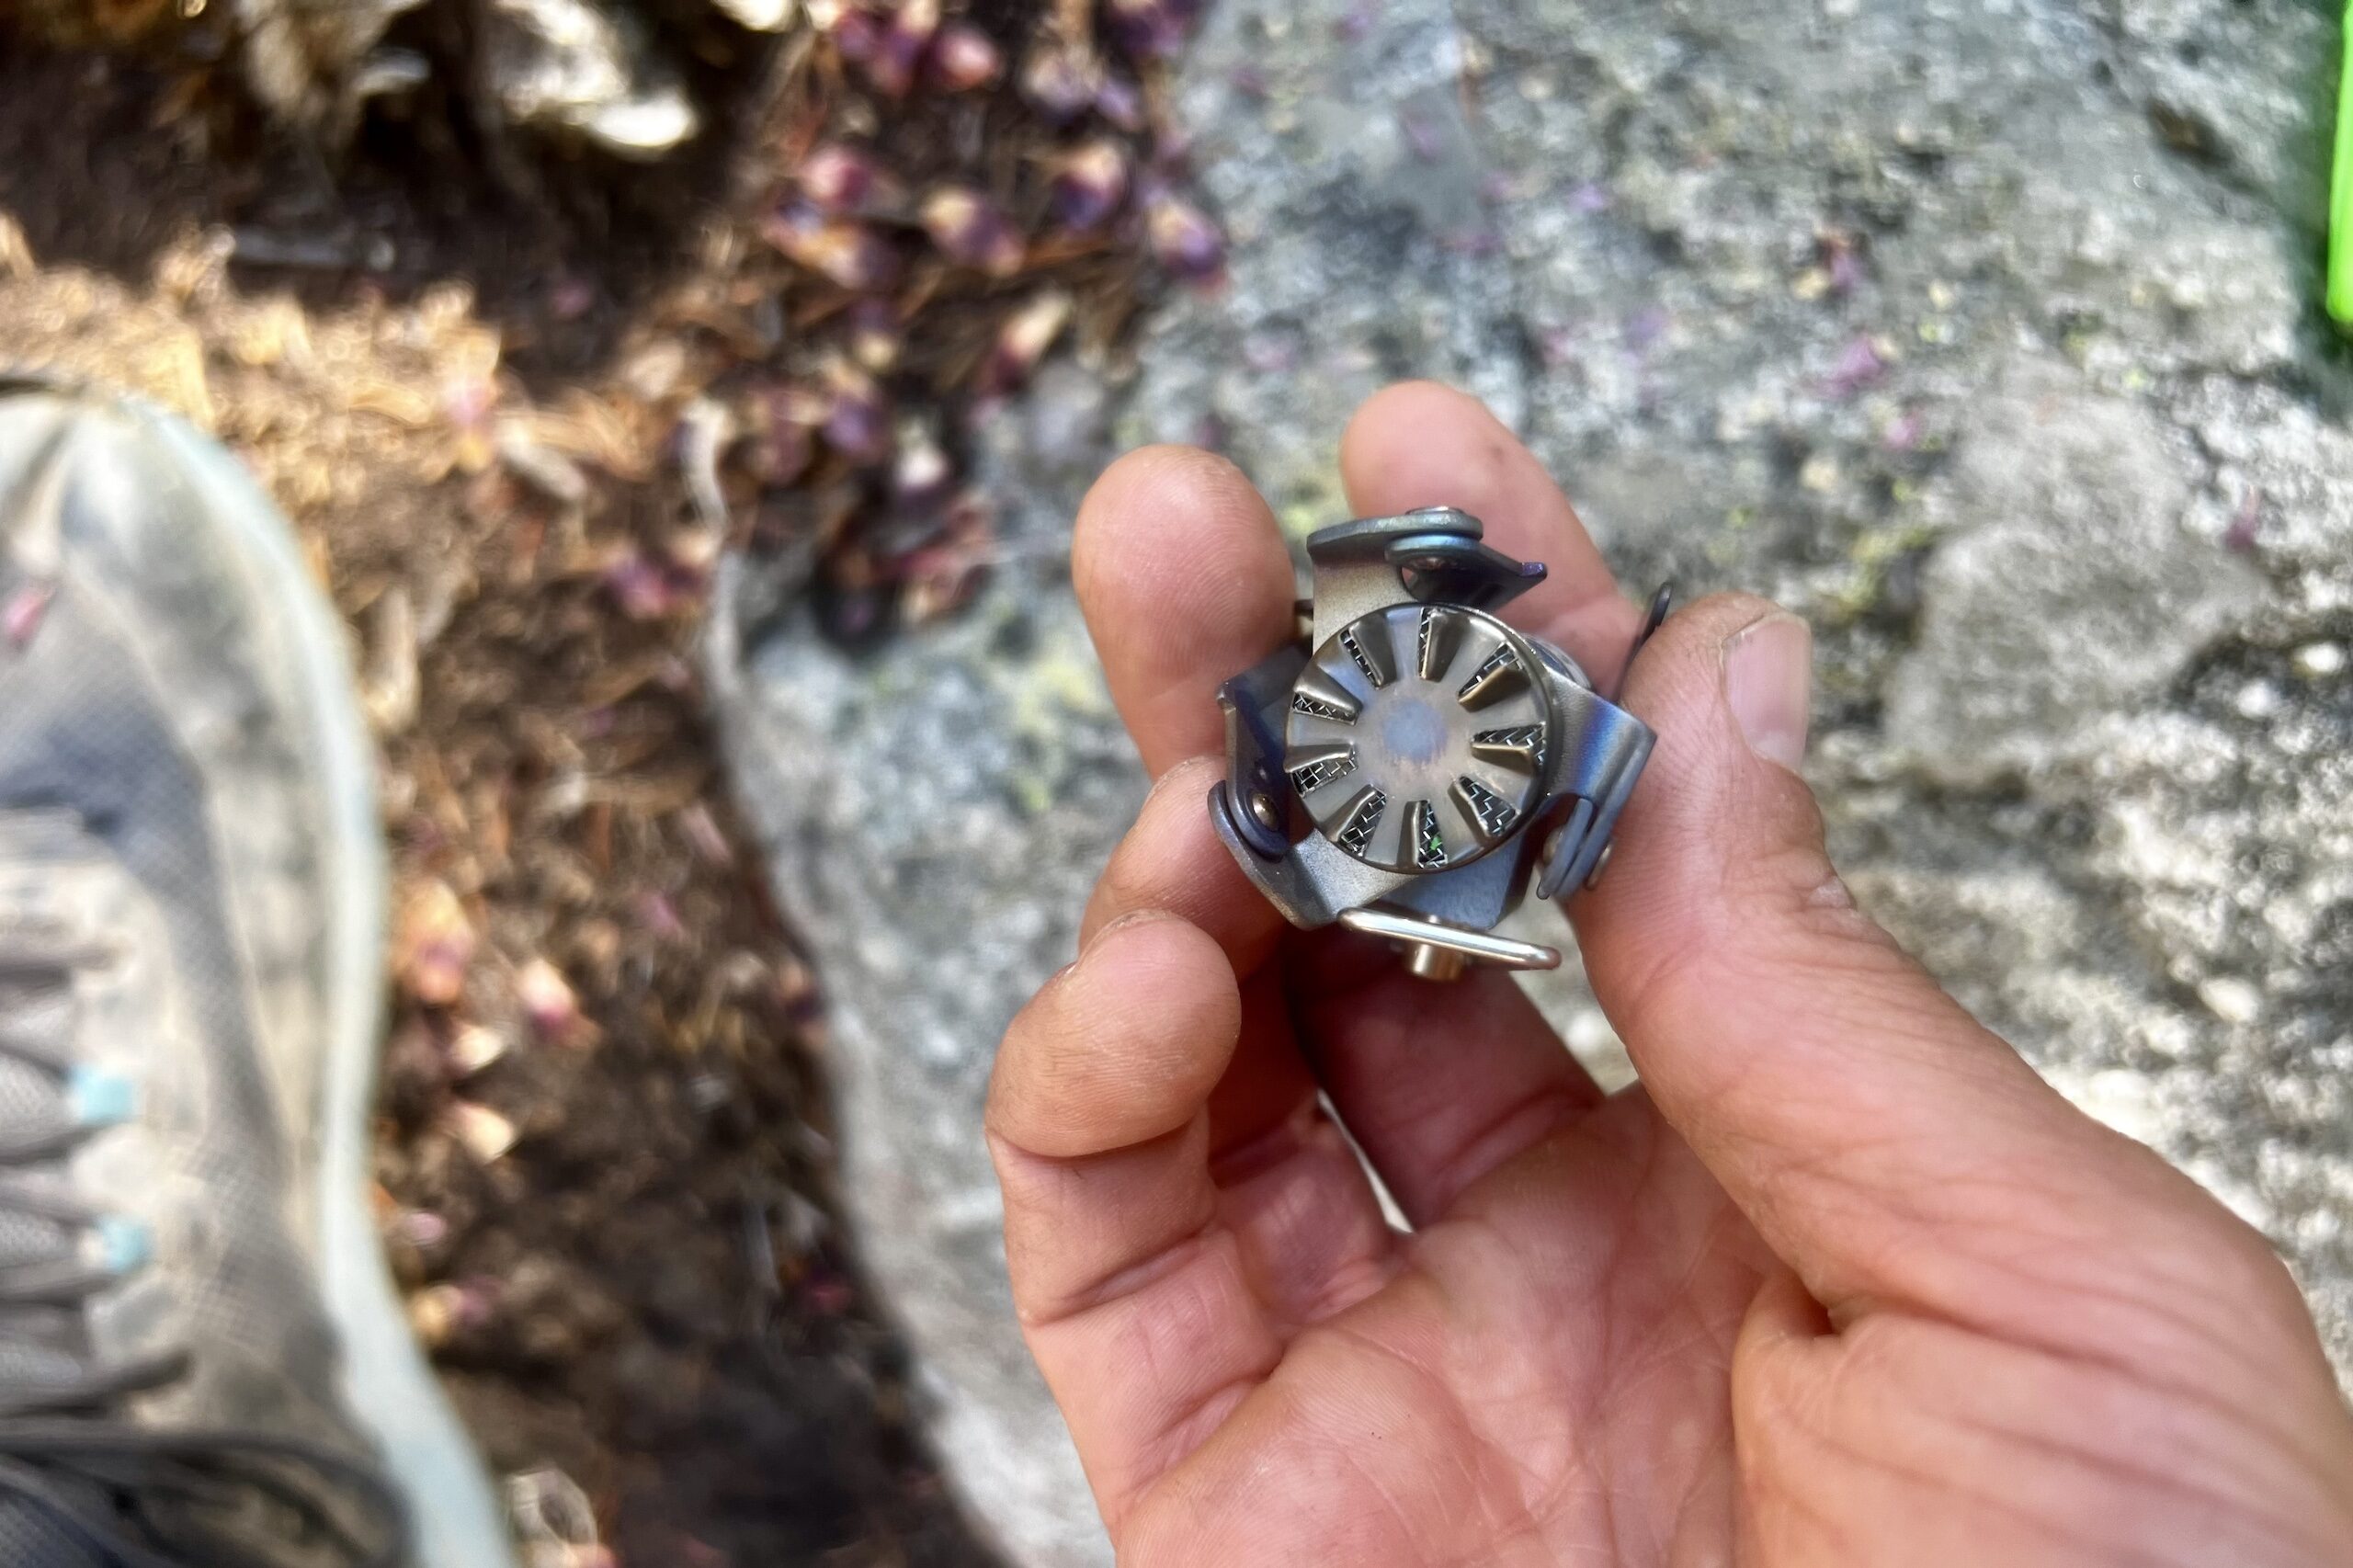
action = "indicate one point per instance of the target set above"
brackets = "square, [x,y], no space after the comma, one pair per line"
[132,1495]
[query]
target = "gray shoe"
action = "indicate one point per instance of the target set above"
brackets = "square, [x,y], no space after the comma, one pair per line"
[201,1359]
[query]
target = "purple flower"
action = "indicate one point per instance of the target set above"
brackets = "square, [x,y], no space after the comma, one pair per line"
[1645,327]
[1857,366]
[1845,268]
[858,421]
[1903,432]
[1182,237]
[1357,22]
[1060,80]
[21,615]
[2245,524]
[1089,182]
[1021,342]
[1421,137]
[964,57]
[1120,101]
[847,253]
[839,179]
[904,46]
[1150,29]
[972,230]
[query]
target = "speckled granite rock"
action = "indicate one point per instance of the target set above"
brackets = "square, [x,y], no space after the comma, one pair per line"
[934,813]
[2074,580]
[1984,334]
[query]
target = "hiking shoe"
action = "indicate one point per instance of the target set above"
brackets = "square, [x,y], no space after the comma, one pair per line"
[201,1360]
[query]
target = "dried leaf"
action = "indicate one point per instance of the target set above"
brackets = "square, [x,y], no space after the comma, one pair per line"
[549,1003]
[482,1132]
[436,944]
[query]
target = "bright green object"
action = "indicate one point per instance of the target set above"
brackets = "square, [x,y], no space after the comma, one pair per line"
[2340,188]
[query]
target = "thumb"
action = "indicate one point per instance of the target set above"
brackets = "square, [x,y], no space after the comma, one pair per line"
[1885,1142]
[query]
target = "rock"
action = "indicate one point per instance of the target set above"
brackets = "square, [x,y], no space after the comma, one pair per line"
[1339,154]
[2318,661]
[1985,337]
[310,63]
[580,67]
[2231,1000]
[583,69]
[2234,87]
[761,15]
[934,814]
[2070,586]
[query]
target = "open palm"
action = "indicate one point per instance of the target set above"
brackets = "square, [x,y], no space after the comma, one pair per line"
[1843,1282]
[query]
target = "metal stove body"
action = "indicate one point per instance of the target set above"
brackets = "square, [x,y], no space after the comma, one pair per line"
[1410,765]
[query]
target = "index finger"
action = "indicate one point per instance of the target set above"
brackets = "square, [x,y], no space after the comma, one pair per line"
[1186,582]
[1420,444]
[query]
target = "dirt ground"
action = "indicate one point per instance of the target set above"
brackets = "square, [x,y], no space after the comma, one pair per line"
[604,1157]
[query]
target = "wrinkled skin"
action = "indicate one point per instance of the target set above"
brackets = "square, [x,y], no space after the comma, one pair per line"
[1843,1282]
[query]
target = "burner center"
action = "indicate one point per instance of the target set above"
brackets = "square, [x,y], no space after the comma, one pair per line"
[1412,731]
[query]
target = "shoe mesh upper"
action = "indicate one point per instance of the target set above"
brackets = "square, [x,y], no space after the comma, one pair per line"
[139,763]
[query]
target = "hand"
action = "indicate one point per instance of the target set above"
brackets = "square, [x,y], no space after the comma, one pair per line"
[1841,1282]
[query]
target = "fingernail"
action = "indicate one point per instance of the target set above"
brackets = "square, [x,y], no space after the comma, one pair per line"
[1769,681]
